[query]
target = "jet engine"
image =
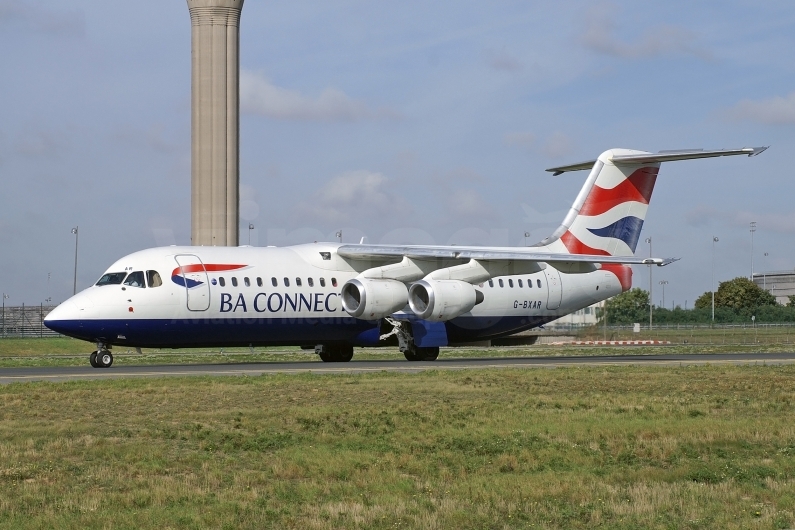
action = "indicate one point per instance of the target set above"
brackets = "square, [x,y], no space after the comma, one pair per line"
[440,300]
[371,299]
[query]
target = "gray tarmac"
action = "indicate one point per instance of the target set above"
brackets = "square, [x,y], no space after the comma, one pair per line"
[77,373]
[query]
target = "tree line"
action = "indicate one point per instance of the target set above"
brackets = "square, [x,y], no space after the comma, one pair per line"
[736,301]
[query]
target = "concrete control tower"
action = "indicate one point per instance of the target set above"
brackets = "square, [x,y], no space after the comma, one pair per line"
[215,124]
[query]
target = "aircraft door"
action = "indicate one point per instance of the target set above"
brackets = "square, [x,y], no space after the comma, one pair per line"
[553,285]
[192,274]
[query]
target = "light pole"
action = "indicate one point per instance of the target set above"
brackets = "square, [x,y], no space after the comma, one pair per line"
[764,275]
[77,236]
[4,313]
[753,229]
[250,228]
[712,285]
[526,235]
[651,310]
[663,283]
[339,235]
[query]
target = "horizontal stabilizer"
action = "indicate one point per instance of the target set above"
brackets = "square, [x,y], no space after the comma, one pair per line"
[662,156]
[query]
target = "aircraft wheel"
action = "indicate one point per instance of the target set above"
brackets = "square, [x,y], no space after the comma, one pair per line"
[93,360]
[421,354]
[428,354]
[326,357]
[104,359]
[344,354]
[412,354]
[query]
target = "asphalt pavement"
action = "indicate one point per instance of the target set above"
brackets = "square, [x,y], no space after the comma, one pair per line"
[76,373]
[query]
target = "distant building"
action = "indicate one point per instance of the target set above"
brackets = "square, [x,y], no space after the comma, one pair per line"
[780,284]
[578,319]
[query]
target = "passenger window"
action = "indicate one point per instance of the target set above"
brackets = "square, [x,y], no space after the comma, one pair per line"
[310,282]
[259,282]
[234,281]
[538,282]
[500,281]
[287,282]
[221,281]
[520,282]
[491,283]
[246,282]
[274,282]
[298,282]
[322,282]
[135,279]
[334,282]
[510,283]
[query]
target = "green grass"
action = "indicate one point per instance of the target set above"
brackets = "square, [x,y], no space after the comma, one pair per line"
[64,351]
[628,447]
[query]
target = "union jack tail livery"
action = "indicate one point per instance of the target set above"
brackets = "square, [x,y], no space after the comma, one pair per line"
[608,214]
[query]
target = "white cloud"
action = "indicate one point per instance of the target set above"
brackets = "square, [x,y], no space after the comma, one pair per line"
[776,110]
[772,222]
[525,140]
[457,176]
[259,96]
[355,195]
[503,61]
[71,22]
[467,203]
[555,145]
[39,144]
[599,35]
[154,138]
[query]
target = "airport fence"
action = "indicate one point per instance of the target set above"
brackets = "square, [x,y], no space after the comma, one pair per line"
[700,334]
[25,321]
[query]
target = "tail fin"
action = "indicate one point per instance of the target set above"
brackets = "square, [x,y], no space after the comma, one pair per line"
[608,214]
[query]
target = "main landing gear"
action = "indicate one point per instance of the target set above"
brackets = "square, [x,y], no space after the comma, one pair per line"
[102,358]
[334,353]
[412,352]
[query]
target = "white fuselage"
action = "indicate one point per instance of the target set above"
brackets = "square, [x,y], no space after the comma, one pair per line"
[290,296]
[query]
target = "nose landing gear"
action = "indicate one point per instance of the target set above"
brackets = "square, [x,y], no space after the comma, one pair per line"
[102,358]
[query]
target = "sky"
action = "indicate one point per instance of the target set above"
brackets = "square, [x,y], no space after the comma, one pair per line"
[403,122]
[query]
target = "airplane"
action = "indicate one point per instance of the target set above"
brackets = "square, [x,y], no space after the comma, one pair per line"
[334,296]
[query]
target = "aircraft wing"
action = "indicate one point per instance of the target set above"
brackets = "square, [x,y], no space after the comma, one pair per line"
[487,254]
[662,156]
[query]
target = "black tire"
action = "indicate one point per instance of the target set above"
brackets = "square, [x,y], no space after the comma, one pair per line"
[412,355]
[327,357]
[422,354]
[428,354]
[93,360]
[104,359]
[344,354]
[337,354]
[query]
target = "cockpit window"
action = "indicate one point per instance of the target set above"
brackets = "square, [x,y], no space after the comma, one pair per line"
[112,278]
[135,279]
[153,279]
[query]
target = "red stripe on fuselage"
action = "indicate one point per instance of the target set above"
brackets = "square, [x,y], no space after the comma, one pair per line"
[622,272]
[208,267]
[637,187]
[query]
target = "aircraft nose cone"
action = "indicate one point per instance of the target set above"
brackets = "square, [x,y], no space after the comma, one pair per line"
[58,319]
